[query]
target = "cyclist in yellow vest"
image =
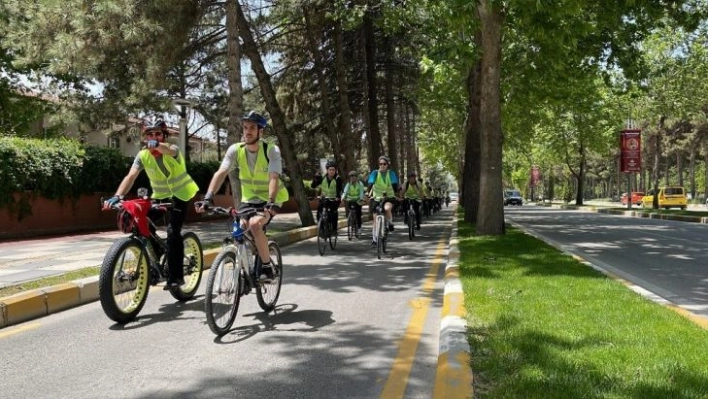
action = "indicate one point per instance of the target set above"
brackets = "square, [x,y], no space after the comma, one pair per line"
[354,195]
[412,192]
[167,171]
[331,189]
[259,167]
[382,186]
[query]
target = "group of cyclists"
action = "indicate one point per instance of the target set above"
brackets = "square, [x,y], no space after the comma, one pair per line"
[259,167]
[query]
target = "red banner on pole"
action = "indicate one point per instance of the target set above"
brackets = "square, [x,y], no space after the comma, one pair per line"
[631,150]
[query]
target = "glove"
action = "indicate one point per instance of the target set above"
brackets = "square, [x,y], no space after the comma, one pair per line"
[271,208]
[111,202]
[152,144]
[204,204]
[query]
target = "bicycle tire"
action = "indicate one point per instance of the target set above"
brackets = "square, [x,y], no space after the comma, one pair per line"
[351,228]
[220,322]
[194,257]
[122,300]
[333,238]
[411,225]
[268,294]
[322,236]
[379,239]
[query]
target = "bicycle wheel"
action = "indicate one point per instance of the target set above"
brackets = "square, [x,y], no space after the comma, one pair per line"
[193,265]
[222,293]
[268,293]
[351,225]
[123,280]
[333,238]
[379,239]
[411,225]
[322,236]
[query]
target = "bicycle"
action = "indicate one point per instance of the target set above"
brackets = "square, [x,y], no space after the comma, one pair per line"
[380,231]
[411,219]
[352,224]
[325,233]
[132,264]
[234,273]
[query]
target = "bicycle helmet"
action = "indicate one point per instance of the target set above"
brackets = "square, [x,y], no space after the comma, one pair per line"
[330,164]
[353,174]
[257,118]
[412,174]
[125,222]
[155,124]
[385,158]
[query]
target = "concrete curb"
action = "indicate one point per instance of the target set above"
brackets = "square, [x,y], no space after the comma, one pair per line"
[453,378]
[41,302]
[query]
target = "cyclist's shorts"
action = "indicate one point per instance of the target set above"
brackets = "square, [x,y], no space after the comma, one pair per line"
[248,209]
[383,201]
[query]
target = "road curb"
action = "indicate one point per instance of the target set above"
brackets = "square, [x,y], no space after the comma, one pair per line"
[33,304]
[453,378]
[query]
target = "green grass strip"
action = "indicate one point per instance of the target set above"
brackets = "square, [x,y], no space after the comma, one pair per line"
[543,325]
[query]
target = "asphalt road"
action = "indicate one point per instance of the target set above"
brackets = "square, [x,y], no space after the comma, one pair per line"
[668,258]
[347,326]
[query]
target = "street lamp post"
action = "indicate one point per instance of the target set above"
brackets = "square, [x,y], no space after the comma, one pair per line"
[181,105]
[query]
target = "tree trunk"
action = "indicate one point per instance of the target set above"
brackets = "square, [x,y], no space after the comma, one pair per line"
[233,63]
[375,150]
[581,176]
[324,94]
[490,217]
[390,105]
[349,140]
[469,190]
[692,170]
[250,49]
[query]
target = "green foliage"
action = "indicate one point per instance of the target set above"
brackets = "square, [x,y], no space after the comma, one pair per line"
[64,169]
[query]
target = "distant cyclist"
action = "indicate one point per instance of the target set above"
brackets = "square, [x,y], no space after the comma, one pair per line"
[259,167]
[354,195]
[167,172]
[383,186]
[330,188]
[412,193]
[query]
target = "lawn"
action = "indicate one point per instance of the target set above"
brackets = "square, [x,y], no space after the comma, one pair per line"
[543,325]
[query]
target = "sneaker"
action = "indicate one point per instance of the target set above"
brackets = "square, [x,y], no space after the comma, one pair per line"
[173,284]
[373,243]
[266,273]
[390,227]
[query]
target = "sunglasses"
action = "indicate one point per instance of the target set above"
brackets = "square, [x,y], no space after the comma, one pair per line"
[153,134]
[383,163]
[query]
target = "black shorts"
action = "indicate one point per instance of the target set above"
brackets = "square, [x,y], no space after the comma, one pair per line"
[248,209]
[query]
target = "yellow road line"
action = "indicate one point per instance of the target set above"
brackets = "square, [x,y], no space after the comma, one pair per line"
[26,327]
[403,363]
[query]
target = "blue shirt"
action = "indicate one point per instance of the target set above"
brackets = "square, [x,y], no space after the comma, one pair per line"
[392,174]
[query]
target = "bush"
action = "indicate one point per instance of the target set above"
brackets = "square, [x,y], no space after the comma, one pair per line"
[64,169]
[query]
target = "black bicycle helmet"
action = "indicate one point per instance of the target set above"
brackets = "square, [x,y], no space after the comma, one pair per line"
[412,174]
[330,164]
[257,118]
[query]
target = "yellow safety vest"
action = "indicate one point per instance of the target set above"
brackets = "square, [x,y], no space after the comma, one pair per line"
[178,184]
[411,192]
[382,186]
[254,184]
[329,188]
[354,191]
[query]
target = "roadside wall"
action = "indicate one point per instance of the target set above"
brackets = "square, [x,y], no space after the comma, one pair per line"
[54,217]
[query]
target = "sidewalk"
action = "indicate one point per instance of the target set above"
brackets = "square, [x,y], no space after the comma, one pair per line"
[33,259]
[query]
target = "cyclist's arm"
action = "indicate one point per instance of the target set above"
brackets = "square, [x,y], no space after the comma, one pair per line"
[216,181]
[273,186]
[128,181]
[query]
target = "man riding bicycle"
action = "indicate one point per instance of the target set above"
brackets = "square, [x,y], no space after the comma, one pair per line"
[354,195]
[331,189]
[412,192]
[383,186]
[167,172]
[259,167]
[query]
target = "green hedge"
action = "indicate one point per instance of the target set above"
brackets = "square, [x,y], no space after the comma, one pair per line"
[64,169]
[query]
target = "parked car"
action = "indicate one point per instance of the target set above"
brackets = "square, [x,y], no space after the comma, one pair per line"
[513,197]
[636,198]
[668,197]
